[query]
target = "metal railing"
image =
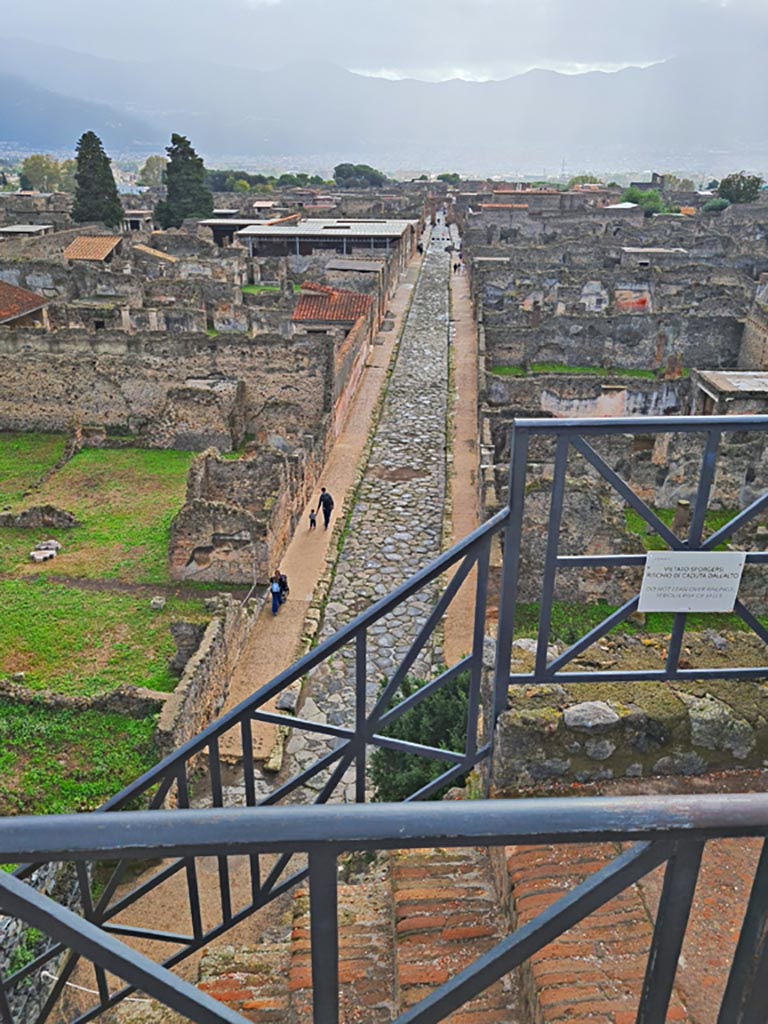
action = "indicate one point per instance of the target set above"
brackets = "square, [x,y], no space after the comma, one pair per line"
[199,762]
[669,831]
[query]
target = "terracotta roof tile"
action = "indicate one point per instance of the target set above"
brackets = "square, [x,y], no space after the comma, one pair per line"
[15,302]
[319,302]
[91,247]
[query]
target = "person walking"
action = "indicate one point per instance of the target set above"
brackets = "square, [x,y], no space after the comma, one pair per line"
[325,502]
[276,591]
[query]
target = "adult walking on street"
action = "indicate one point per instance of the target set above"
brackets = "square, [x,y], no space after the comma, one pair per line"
[325,502]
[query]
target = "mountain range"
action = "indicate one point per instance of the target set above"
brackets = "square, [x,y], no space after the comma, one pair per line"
[673,115]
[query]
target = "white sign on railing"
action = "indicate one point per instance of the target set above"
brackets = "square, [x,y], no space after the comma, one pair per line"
[691,581]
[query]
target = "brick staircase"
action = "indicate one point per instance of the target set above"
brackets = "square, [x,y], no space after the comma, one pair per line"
[406,925]
[411,920]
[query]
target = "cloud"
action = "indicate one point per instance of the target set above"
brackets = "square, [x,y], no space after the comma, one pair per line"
[430,39]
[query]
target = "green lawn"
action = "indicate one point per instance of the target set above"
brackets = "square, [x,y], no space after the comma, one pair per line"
[263,289]
[561,368]
[24,458]
[125,500]
[80,642]
[570,621]
[714,520]
[58,761]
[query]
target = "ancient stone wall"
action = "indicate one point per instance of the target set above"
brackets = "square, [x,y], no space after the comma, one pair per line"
[754,348]
[19,944]
[239,515]
[575,396]
[555,734]
[202,690]
[116,380]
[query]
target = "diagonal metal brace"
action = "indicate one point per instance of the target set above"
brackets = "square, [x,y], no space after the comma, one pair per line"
[19,900]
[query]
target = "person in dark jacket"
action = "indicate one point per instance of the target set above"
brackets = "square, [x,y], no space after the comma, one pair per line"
[325,503]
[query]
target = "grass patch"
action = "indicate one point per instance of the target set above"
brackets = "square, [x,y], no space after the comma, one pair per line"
[571,621]
[714,520]
[508,371]
[263,289]
[125,501]
[574,371]
[59,761]
[24,458]
[77,642]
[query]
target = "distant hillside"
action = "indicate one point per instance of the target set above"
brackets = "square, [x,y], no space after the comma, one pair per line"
[675,115]
[34,117]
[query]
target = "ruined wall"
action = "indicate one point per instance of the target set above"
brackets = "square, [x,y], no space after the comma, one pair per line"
[200,694]
[564,396]
[204,414]
[754,348]
[563,735]
[239,515]
[123,381]
[633,342]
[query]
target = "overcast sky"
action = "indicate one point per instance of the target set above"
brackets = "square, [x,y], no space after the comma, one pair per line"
[429,39]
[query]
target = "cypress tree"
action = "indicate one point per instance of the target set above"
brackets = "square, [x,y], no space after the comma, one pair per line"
[185,178]
[96,195]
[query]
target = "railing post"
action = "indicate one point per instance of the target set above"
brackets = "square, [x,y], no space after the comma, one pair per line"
[744,1001]
[361,699]
[671,921]
[510,569]
[324,935]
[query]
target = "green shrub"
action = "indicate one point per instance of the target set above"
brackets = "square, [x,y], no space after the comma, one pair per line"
[716,205]
[440,720]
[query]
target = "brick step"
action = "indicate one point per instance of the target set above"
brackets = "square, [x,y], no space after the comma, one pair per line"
[593,973]
[447,914]
[595,970]
[365,953]
[252,981]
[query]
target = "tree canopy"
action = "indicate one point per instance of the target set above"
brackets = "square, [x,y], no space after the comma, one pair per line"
[187,195]
[740,187]
[449,177]
[358,176]
[96,197]
[151,174]
[582,179]
[40,172]
[651,200]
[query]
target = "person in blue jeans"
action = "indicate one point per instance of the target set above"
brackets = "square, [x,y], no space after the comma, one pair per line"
[276,591]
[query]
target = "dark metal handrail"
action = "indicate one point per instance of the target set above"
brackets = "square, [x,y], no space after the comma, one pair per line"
[663,830]
[171,779]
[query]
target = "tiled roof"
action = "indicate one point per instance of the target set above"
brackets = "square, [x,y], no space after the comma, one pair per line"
[15,302]
[149,251]
[91,247]
[319,302]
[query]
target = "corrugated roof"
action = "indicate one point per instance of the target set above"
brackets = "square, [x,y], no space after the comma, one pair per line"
[91,247]
[319,302]
[16,302]
[319,228]
[149,251]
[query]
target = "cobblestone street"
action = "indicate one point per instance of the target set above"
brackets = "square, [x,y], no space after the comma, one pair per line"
[396,526]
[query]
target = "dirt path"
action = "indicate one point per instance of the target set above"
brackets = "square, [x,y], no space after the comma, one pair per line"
[464,478]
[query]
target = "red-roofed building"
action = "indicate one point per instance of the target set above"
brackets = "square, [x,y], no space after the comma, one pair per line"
[21,308]
[319,305]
